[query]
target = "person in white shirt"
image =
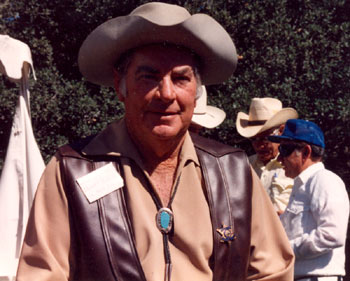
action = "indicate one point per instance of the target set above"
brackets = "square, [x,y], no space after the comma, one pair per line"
[317,214]
[267,117]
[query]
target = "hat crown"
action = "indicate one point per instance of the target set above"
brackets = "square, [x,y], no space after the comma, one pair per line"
[161,13]
[158,23]
[303,130]
[201,103]
[264,108]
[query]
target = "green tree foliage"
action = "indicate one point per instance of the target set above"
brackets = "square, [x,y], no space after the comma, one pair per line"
[295,50]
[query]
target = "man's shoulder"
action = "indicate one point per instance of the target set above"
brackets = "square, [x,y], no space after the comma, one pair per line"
[322,183]
[97,145]
[326,177]
[74,149]
[213,147]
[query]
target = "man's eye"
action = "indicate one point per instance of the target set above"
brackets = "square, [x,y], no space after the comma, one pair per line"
[181,78]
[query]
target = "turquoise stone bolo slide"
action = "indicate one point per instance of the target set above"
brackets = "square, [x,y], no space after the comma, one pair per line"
[164,220]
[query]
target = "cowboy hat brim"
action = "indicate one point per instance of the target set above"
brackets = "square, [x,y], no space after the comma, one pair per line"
[200,33]
[249,131]
[212,118]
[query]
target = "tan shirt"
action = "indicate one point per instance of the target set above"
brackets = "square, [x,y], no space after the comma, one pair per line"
[278,186]
[45,253]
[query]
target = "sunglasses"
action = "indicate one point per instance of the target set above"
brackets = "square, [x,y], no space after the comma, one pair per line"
[286,149]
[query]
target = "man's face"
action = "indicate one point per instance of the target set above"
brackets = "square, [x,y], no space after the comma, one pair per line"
[264,149]
[161,89]
[293,162]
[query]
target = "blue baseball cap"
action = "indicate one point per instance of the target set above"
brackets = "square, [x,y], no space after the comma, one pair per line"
[301,130]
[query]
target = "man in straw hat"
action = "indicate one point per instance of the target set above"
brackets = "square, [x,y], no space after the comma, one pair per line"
[317,214]
[143,200]
[267,117]
[204,115]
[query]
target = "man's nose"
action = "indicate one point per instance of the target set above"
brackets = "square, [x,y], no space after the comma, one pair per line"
[260,144]
[166,90]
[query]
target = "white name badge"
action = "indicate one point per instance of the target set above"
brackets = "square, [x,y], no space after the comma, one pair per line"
[100,182]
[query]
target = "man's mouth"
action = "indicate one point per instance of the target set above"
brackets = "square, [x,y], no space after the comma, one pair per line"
[164,113]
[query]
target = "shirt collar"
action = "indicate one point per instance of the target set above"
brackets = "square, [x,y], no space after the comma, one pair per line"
[308,172]
[188,152]
[115,141]
[274,163]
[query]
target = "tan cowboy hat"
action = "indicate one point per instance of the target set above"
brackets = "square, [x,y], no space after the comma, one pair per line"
[205,115]
[157,22]
[264,114]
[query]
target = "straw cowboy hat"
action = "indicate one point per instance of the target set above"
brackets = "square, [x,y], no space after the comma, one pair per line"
[264,114]
[152,23]
[205,115]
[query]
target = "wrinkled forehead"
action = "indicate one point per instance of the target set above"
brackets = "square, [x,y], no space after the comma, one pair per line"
[160,55]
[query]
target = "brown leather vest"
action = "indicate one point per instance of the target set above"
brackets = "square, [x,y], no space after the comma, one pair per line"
[103,246]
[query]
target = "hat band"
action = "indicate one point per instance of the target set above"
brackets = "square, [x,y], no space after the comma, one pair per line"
[256,123]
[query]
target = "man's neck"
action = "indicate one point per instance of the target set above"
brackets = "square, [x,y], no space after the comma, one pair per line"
[307,164]
[160,155]
[161,161]
[161,158]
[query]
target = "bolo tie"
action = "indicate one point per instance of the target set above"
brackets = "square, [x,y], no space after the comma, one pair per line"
[164,222]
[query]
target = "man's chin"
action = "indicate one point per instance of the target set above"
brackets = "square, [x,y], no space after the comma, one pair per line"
[264,157]
[165,132]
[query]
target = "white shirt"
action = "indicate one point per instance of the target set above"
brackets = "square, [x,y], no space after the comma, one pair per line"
[316,220]
[277,185]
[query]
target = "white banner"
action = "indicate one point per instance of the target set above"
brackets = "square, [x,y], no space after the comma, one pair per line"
[23,164]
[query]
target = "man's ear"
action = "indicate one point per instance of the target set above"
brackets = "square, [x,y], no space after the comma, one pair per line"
[280,129]
[116,81]
[306,151]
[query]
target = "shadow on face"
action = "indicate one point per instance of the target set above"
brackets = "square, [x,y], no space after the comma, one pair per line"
[265,149]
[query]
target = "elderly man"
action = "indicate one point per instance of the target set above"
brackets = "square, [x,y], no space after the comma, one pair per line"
[317,214]
[144,200]
[267,117]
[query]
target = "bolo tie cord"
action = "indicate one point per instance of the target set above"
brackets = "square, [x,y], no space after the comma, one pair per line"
[165,232]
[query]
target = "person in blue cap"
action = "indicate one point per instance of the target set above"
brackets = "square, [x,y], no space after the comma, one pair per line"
[317,214]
